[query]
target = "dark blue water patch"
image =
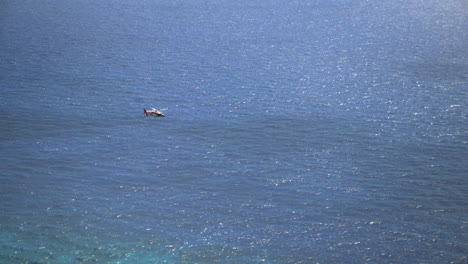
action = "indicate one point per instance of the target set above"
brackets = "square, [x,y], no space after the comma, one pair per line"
[295,132]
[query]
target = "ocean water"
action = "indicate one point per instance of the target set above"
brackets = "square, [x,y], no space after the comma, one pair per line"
[295,131]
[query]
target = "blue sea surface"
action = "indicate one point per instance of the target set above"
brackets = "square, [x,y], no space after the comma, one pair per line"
[303,131]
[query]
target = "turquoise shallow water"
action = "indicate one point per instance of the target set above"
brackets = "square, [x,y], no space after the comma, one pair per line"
[295,132]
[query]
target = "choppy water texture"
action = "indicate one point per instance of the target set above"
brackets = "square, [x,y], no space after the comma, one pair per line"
[295,131]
